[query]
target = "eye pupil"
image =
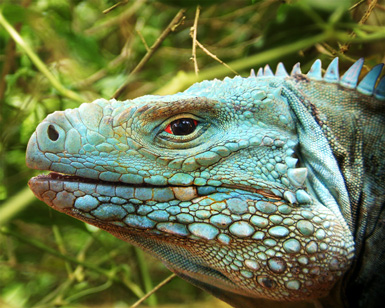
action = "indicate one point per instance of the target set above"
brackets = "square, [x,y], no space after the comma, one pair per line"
[182,126]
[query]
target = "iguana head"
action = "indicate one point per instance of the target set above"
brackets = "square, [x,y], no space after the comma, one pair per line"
[222,182]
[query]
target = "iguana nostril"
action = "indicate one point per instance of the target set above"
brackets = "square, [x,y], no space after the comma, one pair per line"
[52,133]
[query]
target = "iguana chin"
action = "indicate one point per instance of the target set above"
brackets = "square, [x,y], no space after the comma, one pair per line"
[266,190]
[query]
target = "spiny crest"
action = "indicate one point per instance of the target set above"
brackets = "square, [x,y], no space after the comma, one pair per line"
[349,80]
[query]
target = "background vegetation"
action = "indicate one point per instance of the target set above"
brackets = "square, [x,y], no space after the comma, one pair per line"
[55,54]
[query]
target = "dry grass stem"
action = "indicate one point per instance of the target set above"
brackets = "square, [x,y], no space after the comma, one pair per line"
[164,282]
[345,47]
[170,28]
[193,34]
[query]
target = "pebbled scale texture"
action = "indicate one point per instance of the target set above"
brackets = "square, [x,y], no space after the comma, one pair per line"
[274,199]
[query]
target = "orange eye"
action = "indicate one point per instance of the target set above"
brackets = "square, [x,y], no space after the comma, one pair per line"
[181,127]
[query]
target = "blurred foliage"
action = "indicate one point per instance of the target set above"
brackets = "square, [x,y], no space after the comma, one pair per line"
[50,260]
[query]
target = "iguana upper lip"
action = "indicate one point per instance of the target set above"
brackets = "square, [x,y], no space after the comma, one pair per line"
[74,178]
[66,177]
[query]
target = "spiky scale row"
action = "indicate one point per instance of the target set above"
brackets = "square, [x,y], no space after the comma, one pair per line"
[296,70]
[281,71]
[315,70]
[349,80]
[367,84]
[332,75]
[379,92]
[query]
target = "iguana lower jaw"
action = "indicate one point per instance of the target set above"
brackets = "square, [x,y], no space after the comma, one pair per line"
[199,231]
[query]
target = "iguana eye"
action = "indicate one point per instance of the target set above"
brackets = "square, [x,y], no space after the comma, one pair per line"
[182,127]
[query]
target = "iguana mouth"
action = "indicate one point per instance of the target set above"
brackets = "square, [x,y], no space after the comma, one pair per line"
[183,193]
[52,176]
[61,177]
[59,182]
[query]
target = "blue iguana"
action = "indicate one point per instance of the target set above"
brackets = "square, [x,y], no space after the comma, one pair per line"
[266,191]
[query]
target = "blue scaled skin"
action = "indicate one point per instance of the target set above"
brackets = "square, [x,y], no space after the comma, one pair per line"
[255,189]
